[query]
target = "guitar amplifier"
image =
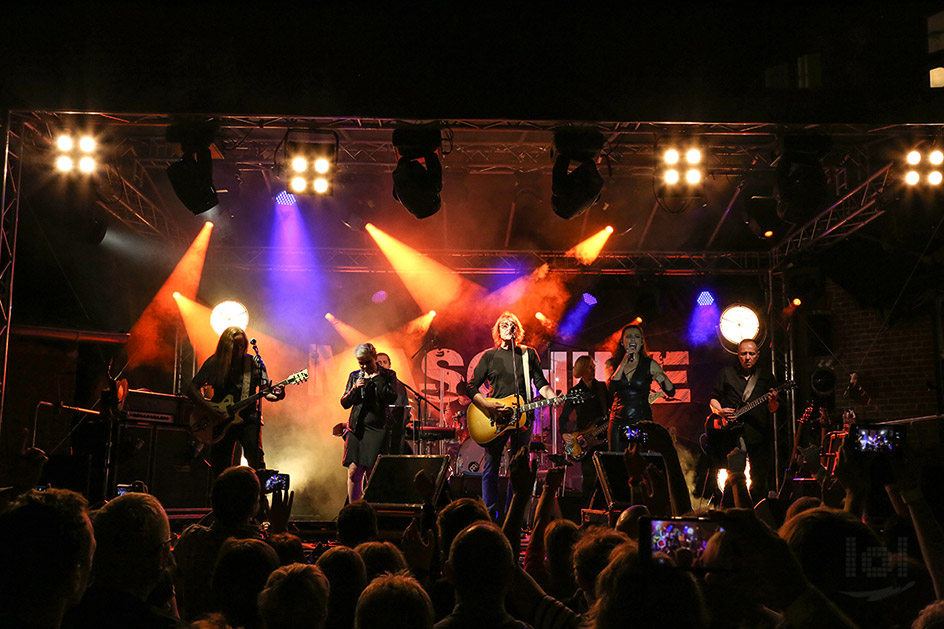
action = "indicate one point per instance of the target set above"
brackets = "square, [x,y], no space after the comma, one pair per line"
[141,405]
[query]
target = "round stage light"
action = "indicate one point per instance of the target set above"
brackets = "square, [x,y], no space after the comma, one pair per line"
[671,176]
[299,184]
[693,156]
[87,144]
[432,313]
[609,229]
[914,157]
[738,322]
[227,314]
[934,177]
[797,301]
[693,176]
[64,143]
[540,316]
[64,163]
[321,185]
[86,164]
[299,164]
[322,165]
[769,233]
[912,178]
[671,156]
[936,157]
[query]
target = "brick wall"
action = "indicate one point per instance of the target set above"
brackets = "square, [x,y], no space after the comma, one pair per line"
[895,363]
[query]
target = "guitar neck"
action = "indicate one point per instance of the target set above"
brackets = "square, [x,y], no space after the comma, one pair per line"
[755,403]
[252,399]
[541,403]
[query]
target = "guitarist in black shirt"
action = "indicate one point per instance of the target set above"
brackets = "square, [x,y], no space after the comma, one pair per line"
[231,371]
[735,387]
[590,415]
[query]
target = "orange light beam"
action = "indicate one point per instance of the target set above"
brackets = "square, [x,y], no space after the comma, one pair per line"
[588,250]
[432,285]
[351,335]
[152,336]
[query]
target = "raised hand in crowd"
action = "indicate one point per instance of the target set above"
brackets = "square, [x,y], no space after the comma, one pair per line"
[659,440]
[279,510]
[419,548]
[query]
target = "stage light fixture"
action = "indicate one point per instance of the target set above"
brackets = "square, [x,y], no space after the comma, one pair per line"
[192,175]
[802,186]
[762,218]
[913,158]
[679,174]
[379,297]
[912,178]
[936,157]
[738,322]
[72,153]
[934,177]
[573,191]
[311,164]
[589,299]
[705,298]
[417,179]
[227,314]
[540,317]
[797,301]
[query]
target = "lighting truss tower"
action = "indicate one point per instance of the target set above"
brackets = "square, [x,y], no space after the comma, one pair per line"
[9,217]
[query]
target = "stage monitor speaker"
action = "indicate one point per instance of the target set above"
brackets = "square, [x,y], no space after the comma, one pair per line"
[181,477]
[614,480]
[132,451]
[391,481]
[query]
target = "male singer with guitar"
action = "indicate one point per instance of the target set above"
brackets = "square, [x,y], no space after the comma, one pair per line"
[737,385]
[503,368]
[231,371]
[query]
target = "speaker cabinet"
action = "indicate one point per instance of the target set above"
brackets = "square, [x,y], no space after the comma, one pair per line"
[614,480]
[164,458]
[391,481]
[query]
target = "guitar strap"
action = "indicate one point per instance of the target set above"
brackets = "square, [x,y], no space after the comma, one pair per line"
[749,388]
[247,378]
[526,370]
[601,395]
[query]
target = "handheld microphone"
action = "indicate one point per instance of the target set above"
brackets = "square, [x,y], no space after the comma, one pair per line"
[252,342]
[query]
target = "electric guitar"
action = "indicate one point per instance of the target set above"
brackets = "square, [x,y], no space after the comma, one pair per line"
[585,440]
[718,438]
[485,427]
[211,426]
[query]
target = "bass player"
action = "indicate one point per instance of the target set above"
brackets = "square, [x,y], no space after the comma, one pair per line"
[503,367]
[590,415]
[740,384]
[231,371]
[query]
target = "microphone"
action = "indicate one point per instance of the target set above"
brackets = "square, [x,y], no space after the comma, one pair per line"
[632,356]
[252,342]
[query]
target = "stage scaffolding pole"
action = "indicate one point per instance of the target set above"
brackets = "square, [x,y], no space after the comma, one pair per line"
[9,219]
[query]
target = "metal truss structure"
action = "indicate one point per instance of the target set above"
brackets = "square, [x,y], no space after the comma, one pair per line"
[9,220]
[473,262]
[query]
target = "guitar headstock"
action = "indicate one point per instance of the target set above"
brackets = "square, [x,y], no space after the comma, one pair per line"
[788,385]
[297,377]
[578,397]
[807,413]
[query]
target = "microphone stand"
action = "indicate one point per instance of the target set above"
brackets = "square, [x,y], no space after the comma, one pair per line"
[416,426]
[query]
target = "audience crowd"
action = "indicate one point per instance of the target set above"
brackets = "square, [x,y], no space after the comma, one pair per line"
[866,551]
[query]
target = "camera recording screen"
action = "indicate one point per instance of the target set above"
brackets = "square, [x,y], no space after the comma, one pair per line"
[689,535]
[884,439]
[635,435]
[276,482]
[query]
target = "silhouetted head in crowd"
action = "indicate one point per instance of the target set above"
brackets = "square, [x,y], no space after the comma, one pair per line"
[655,595]
[457,515]
[592,554]
[345,570]
[480,565]
[394,601]
[381,558]
[235,496]
[357,523]
[824,540]
[295,597]
[133,537]
[559,539]
[46,549]
[241,572]
[931,617]
[804,503]
[288,547]
[628,521]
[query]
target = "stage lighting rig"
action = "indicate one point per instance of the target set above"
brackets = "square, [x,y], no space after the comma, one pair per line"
[573,191]
[310,164]
[76,153]
[192,175]
[925,167]
[417,179]
[679,173]
[762,218]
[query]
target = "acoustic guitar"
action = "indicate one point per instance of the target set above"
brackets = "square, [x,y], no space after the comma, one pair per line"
[485,428]
[211,426]
[585,440]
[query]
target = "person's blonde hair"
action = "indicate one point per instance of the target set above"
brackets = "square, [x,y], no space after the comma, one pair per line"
[507,316]
[584,365]
[365,349]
